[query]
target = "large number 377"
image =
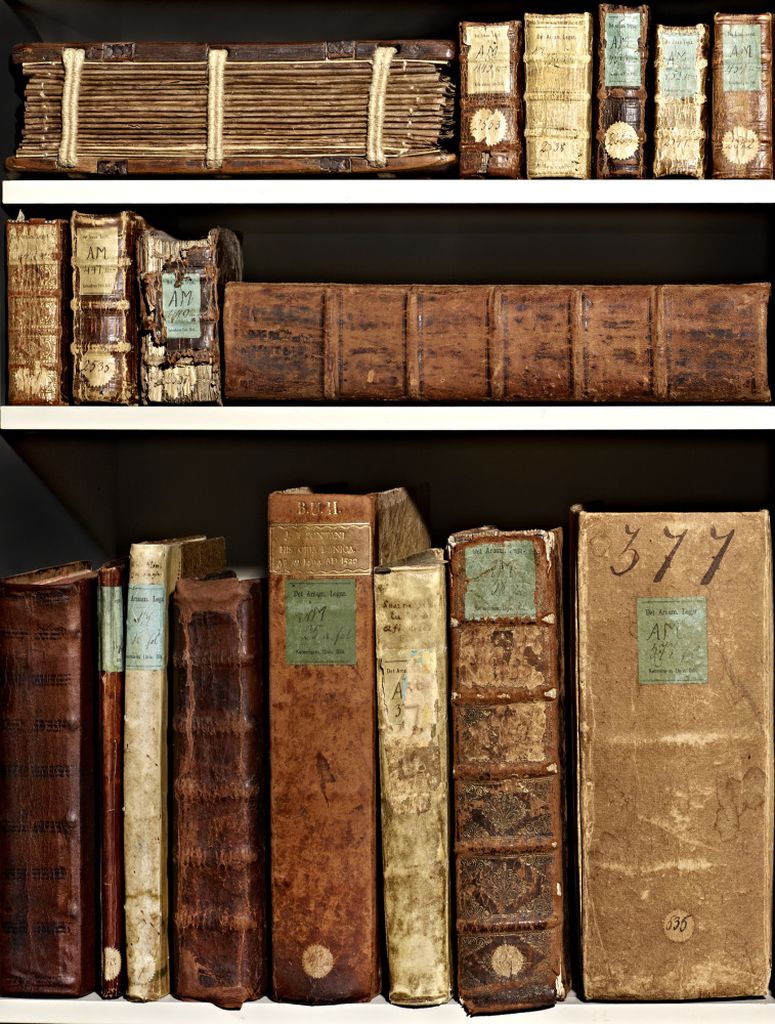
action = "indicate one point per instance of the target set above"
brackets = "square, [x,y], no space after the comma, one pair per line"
[630,549]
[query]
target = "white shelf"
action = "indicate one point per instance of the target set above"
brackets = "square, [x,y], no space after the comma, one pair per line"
[351,190]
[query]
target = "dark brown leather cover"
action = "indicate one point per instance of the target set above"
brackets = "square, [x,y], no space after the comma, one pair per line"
[491,88]
[48,794]
[681,101]
[507,343]
[742,96]
[105,335]
[38,255]
[507,728]
[219,899]
[622,55]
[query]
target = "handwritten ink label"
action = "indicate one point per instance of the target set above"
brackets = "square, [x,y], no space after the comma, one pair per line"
[742,53]
[146,626]
[96,256]
[501,580]
[110,614]
[181,305]
[679,77]
[622,56]
[489,63]
[320,622]
[672,640]
[320,549]
[679,926]
[410,693]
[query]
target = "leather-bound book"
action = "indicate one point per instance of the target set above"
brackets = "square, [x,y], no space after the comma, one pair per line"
[742,95]
[674,667]
[623,49]
[499,343]
[507,695]
[681,102]
[105,330]
[38,254]
[154,569]
[111,615]
[491,81]
[558,95]
[410,603]
[181,298]
[219,897]
[48,790]
[322,729]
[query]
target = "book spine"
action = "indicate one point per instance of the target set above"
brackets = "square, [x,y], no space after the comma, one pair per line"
[558,95]
[742,96]
[411,652]
[38,313]
[219,903]
[322,715]
[111,615]
[623,47]
[505,602]
[491,121]
[48,804]
[681,101]
[105,343]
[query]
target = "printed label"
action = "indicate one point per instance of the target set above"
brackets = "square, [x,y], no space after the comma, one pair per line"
[146,626]
[679,77]
[672,640]
[410,693]
[500,580]
[320,549]
[110,614]
[742,55]
[622,57]
[181,305]
[96,257]
[320,622]
[489,66]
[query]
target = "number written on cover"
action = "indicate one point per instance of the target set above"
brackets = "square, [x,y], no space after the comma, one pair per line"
[629,556]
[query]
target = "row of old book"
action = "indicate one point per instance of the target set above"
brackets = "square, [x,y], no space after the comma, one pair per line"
[377,106]
[105,308]
[375,642]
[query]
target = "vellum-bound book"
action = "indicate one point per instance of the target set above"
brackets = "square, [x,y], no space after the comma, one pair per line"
[675,728]
[681,101]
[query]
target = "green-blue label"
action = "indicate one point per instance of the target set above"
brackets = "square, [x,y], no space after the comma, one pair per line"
[622,56]
[110,614]
[181,305]
[501,580]
[320,622]
[742,51]
[146,626]
[672,640]
[678,75]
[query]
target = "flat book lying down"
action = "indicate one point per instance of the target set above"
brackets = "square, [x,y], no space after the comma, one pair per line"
[237,108]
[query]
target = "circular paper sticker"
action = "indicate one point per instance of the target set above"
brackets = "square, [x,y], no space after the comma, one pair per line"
[488,126]
[621,141]
[317,961]
[507,961]
[740,145]
[679,926]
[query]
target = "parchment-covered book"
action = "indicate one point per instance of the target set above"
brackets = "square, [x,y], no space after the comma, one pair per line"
[681,101]
[623,49]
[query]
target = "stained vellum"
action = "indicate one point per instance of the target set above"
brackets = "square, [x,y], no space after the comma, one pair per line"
[681,65]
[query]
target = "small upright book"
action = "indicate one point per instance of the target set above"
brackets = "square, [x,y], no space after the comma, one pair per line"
[674,667]
[681,102]
[623,49]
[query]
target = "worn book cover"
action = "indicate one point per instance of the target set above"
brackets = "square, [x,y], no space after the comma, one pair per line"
[410,605]
[681,101]
[674,667]
[323,735]
[508,756]
[623,51]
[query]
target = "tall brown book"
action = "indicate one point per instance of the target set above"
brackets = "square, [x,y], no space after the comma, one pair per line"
[491,84]
[219,900]
[681,101]
[48,797]
[742,96]
[507,728]
[623,50]
[674,667]
[322,717]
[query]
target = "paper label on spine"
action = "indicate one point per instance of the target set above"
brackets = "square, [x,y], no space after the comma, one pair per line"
[32,243]
[181,305]
[622,56]
[110,614]
[320,622]
[679,76]
[500,580]
[489,63]
[96,256]
[742,53]
[146,626]
[672,640]
[410,693]
[320,549]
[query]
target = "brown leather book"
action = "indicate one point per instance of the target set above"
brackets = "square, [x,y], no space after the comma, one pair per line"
[105,344]
[742,95]
[505,343]
[322,728]
[237,108]
[48,790]
[507,696]
[622,52]
[111,617]
[181,298]
[491,84]
[681,101]
[38,254]
[219,897]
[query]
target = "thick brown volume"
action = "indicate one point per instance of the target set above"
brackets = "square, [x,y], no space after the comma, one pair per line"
[623,49]
[507,343]
[491,120]
[219,905]
[742,96]
[48,795]
[507,692]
